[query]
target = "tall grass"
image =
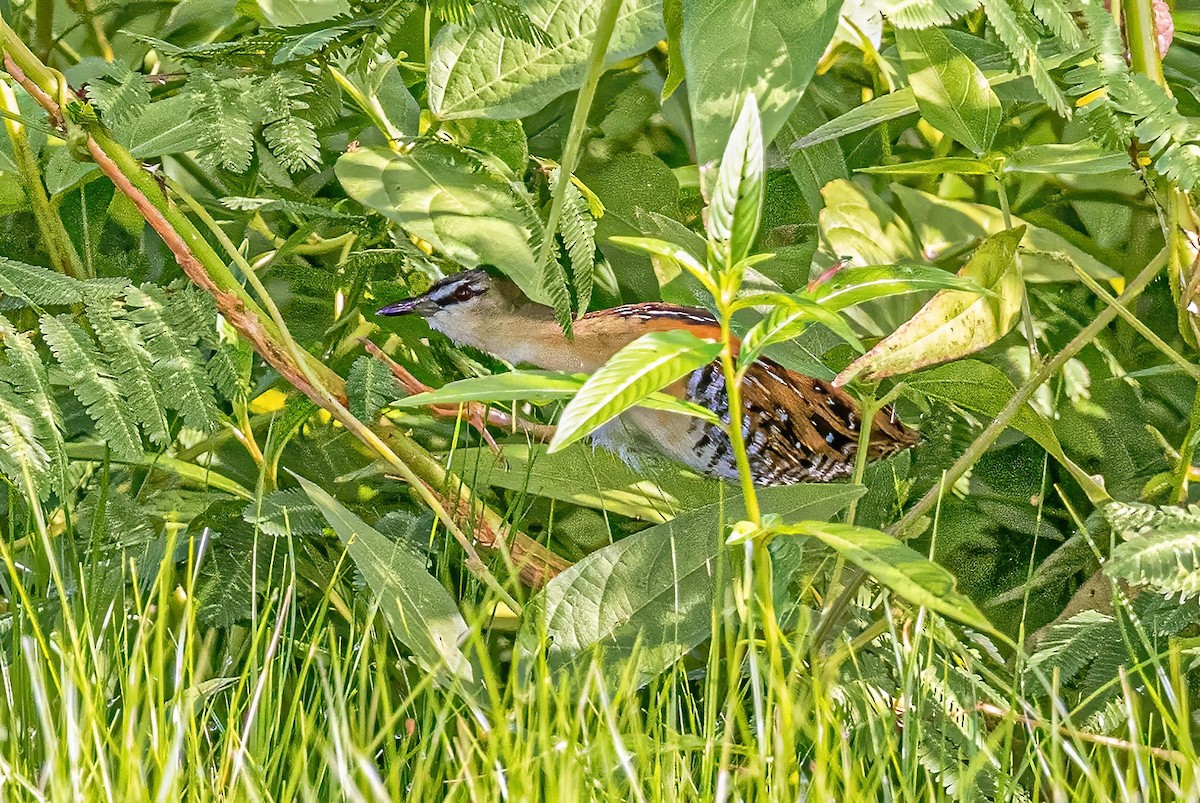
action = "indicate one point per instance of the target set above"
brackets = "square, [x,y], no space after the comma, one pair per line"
[119,691]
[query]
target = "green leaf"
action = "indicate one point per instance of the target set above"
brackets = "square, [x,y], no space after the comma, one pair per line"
[882,109]
[93,386]
[594,478]
[768,49]
[651,595]
[531,386]
[1068,159]
[944,225]
[437,194]
[982,389]
[676,254]
[954,323]
[419,611]
[646,365]
[951,91]
[737,197]
[850,286]
[791,316]
[476,71]
[953,165]
[370,387]
[673,20]
[897,566]
[1161,547]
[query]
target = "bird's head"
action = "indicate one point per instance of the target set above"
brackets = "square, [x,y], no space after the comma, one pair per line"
[469,292]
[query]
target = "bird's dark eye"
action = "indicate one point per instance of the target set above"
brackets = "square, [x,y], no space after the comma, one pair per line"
[463,292]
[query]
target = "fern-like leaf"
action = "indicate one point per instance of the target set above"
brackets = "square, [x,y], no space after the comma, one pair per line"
[26,374]
[170,330]
[1016,39]
[91,383]
[37,286]
[225,119]
[371,387]
[122,95]
[131,366]
[577,228]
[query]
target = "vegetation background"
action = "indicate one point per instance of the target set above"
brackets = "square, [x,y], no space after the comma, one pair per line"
[238,563]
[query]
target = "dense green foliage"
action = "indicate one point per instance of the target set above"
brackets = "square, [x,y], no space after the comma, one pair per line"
[242,561]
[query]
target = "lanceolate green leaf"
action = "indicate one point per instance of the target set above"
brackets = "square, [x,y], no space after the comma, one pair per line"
[475,71]
[850,286]
[438,194]
[954,323]
[646,365]
[899,567]
[652,594]
[787,320]
[531,386]
[767,48]
[419,611]
[951,91]
[737,198]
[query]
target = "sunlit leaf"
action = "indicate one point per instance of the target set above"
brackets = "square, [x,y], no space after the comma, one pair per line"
[476,71]
[850,286]
[951,91]
[651,595]
[737,197]
[791,316]
[897,566]
[437,194]
[953,165]
[646,365]
[954,323]
[768,49]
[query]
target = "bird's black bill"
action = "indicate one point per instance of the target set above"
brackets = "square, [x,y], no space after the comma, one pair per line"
[405,307]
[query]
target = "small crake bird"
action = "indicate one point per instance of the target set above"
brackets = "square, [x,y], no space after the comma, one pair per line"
[796,428]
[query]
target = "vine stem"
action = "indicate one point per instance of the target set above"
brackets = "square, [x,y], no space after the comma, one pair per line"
[533,562]
[993,431]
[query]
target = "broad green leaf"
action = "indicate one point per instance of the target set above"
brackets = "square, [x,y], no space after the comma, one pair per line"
[437,194]
[419,611]
[594,478]
[899,567]
[953,165]
[882,109]
[944,226]
[676,254]
[850,286]
[951,91]
[737,197]
[646,365]
[954,323]
[1075,159]
[791,316]
[652,594]
[531,386]
[280,13]
[768,48]
[476,71]
[982,389]
[537,387]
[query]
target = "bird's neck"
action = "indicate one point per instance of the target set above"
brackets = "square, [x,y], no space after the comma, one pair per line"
[527,334]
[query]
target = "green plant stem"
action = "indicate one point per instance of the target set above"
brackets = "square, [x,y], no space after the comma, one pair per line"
[58,243]
[993,431]
[188,472]
[1142,39]
[606,22]
[1190,368]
